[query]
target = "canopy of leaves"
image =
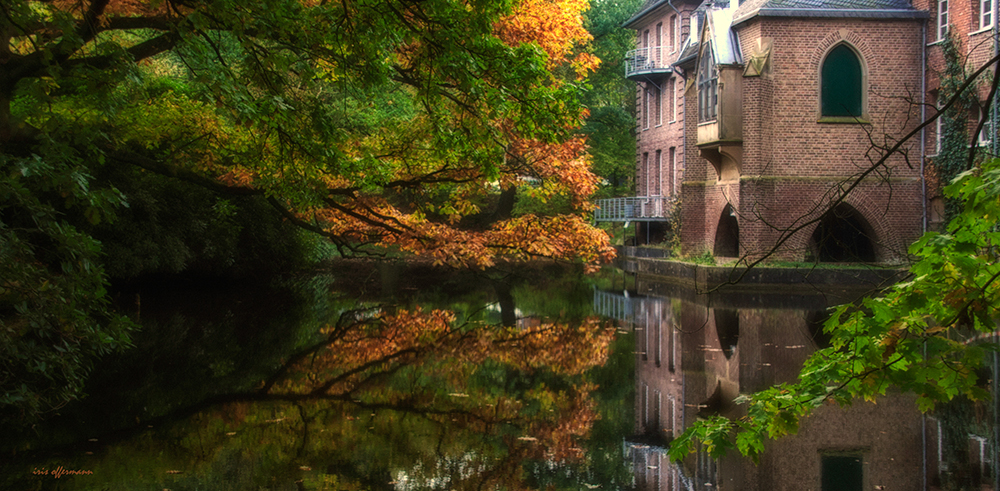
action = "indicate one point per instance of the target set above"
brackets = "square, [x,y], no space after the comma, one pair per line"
[384,126]
[375,123]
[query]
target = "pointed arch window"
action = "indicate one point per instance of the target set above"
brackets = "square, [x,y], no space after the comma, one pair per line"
[842,84]
[708,84]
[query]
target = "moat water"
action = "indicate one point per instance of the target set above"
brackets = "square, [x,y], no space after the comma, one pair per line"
[305,385]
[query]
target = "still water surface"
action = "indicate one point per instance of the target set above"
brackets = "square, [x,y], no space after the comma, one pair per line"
[319,383]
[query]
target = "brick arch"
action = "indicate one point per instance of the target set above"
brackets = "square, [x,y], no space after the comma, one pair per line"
[843,36]
[884,241]
[715,202]
[874,211]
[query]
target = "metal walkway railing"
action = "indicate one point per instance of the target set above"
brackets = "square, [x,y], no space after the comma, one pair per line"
[647,60]
[635,209]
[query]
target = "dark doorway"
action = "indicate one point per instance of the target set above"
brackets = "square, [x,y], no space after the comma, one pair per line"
[727,235]
[843,235]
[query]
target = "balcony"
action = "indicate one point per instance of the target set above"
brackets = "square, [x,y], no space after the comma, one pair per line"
[720,139]
[642,63]
[635,209]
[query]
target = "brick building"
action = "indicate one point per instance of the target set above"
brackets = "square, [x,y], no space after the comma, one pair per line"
[779,114]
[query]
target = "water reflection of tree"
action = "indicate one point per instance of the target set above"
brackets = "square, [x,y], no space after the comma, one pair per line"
[384,395]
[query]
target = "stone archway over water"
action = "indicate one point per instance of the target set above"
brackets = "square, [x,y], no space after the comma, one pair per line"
[843,235]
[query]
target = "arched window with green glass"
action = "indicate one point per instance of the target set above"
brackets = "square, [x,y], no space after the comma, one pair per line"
[842,84]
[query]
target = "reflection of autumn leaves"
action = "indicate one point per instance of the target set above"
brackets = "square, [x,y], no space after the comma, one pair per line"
[422,361]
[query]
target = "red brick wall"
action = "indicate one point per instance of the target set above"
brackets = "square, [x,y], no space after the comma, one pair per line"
[670,132]
[792,164]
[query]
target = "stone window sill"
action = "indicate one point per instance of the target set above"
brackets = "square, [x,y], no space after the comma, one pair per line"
[842,120]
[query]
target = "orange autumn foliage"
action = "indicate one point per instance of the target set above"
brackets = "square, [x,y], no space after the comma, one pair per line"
[556,26]
[359,361]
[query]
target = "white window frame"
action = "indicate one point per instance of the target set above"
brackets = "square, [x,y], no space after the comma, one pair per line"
[672,99]
[985,14]
[646,95]
[942,20]
[657,107]
[984,138]
[672,32]
[657,191]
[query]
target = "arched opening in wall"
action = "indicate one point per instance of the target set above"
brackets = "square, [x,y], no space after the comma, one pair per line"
[727,327]
[843,235]
[727,235]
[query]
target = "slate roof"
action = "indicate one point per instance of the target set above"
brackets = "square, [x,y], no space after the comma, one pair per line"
[648,7]
[827,8]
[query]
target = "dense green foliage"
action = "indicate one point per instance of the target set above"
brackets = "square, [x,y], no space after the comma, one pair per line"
[53,317]
[171,226]
[171,135]
[610,128]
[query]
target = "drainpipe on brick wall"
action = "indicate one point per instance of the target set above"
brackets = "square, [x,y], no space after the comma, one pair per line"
[993,110]
[923,134]
[923,203]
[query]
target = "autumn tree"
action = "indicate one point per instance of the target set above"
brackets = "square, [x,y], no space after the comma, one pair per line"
[399,126]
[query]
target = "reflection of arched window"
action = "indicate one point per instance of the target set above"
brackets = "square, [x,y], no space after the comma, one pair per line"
[842,86]
[708,82]
[727,327]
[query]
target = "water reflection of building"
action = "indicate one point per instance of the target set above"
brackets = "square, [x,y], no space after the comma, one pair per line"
[694,355]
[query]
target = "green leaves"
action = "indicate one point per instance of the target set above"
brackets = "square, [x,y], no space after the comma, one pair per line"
[53,309]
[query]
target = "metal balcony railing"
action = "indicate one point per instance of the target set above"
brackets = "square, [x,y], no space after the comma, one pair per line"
[647,61]
[635,209]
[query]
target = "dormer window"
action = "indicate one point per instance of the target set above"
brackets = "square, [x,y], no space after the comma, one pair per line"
[708,87]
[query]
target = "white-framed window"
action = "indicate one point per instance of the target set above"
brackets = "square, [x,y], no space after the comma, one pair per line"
[659,42]
[645,107]
[671,100]
[942,19]
[673,33]
[986,134]
[656,177]
[644,184]
[985,14]
[658,107]
[672,180]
